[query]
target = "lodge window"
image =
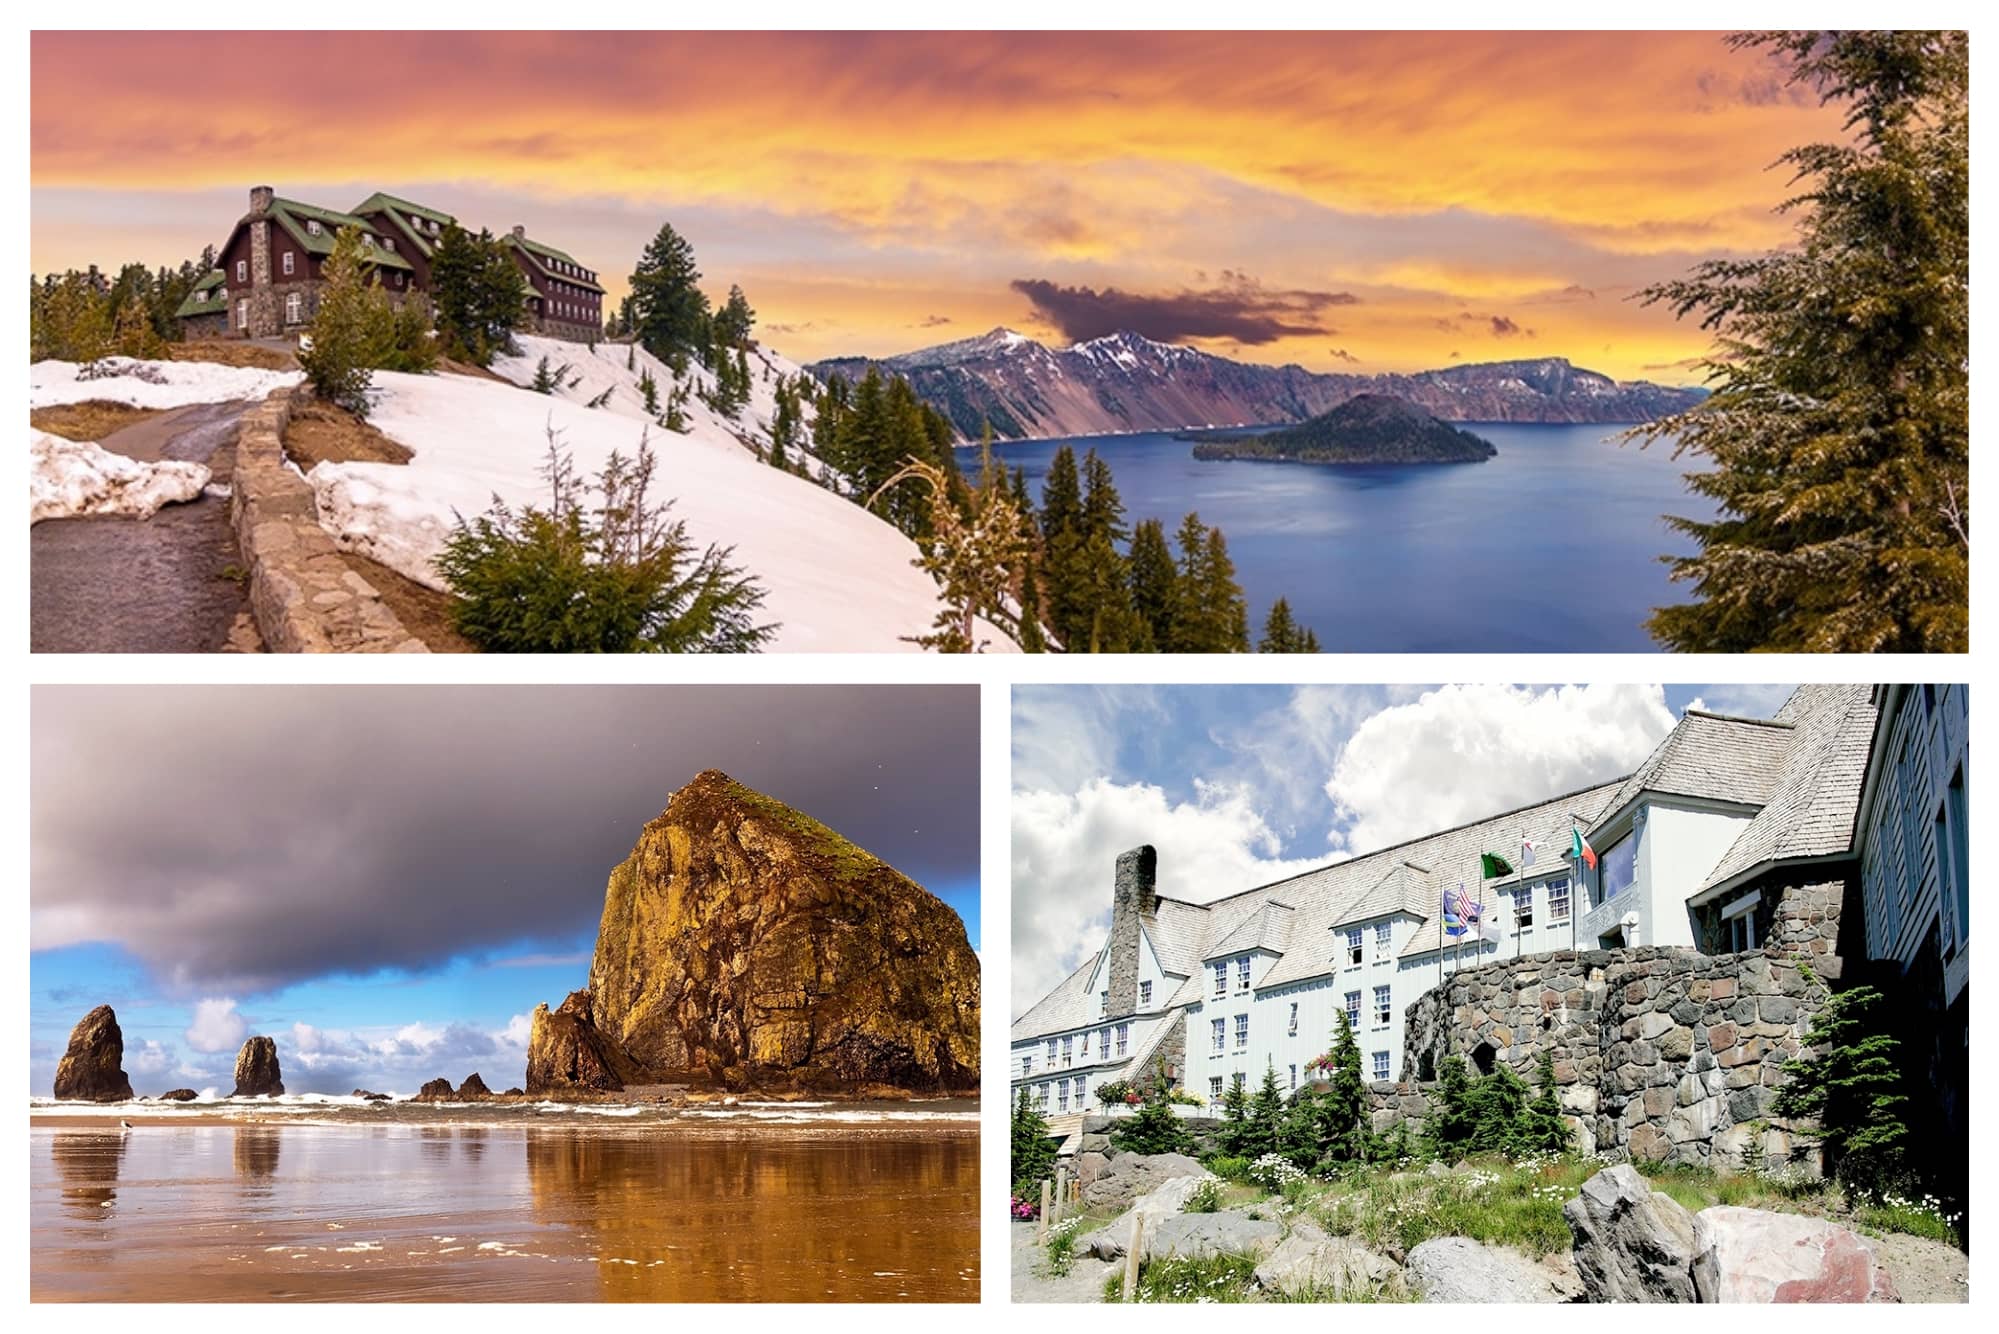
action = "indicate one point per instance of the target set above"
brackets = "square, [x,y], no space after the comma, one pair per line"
[1068,1052]
[1381,1065]
[1104,1041]
[1026,1064]
[1353,947]
[1061,1095]
[243,314]
[1382,934]
[1382,1007]
[1242,973]
[1082,1086]
[1221,979]
[312,226]
[1558,900]
[1041,1096]
[1294,1076]
[294,307]
[1051,1051]
[1738,923]
[1618,870]
[1085,1052]
[1145,993]
[1353,1009]
[1242,1030]
[1218,1029]
[1214,1088]
[242,270]
[1523,907]
[1293,1029]
[388,243]
[288,263]
[1123,1036]
[1103,1003]
[1955,851]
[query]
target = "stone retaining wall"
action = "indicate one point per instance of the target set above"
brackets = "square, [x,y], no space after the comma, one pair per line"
[303,594]
[1666,1055]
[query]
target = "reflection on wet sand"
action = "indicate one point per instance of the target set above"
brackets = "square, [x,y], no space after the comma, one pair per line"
[766,1217]
[371,1212]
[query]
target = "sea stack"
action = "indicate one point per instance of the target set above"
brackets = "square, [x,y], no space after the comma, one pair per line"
[257,1073]
[744,945]
[91,1069]
[473,1089]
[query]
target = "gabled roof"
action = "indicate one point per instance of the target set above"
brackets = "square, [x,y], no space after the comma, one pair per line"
[1816,794]
[1268,928]
[1403,888]
[540,256]
[293,217]
[1713,757]
[205,297]
[1068,1006]
[399,211]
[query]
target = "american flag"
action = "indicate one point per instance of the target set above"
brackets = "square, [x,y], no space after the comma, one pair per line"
[1462,906]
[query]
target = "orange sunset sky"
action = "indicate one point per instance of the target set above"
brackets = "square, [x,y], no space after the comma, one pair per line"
[1346,201]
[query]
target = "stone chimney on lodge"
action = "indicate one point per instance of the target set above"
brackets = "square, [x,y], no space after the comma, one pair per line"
[260,200]
[1134,899]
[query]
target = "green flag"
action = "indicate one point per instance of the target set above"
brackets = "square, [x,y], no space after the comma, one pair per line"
[1492,864]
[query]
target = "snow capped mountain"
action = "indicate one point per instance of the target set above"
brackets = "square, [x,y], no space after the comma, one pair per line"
[1125,381]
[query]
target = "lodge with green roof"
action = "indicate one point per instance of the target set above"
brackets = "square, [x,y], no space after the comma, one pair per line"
[271,269]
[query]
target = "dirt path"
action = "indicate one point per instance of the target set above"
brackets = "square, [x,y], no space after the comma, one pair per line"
[1032,1283]
[168,584]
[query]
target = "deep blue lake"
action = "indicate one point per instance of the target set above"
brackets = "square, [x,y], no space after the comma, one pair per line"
[1552,547]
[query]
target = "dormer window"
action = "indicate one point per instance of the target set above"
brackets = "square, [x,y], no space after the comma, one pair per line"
[1221,978]
[1353,947]
[1382,933]
[388,243]
[312,226]
[1144,994]
[1242,973]
[367,240]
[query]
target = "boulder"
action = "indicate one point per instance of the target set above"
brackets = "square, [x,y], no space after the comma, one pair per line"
[745,944]
[371,1097]
[179,1095]
[1631,1243]
[1130,1175]
[1308,1261]
[437,1090]
[257,1074]
[91,1069]
[512,1093]
[1458,1269]
[566,1051]
[1756,1255]
[1088,1167]
[473,1089]
[1200,1236]
[1168,1199]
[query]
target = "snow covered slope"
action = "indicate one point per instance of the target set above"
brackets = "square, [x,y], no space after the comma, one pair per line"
[836,578]
[151,384]
[586,372]
[71,477]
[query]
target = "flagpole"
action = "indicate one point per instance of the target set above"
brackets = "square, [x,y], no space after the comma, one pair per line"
[1576,867]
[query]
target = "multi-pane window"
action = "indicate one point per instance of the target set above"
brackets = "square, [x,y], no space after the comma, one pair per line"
[1068,1052]
[1062,1095]
[242,270]
[1214,1088]
[1353,1009]
[1382,932]
[312,226]
[243,313]
[1026,1064]
[1353,947]
[1041,1096]
[1085,1052]
[294,308]
[1558,900]
[1381,1065]
[288,260]
[1242,973]
[1103,1042]
[1618,869]
[1082,1087]
[1523,907]
[1221,978]
[1241,1031]
[1123,1036]
[1293,1028]
[1294,1076]
[1218,1028]
[1103,1002]
[1145,993]
[1051,1051]
[1381,1005]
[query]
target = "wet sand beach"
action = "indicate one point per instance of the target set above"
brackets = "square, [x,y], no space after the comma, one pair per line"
[405,1202]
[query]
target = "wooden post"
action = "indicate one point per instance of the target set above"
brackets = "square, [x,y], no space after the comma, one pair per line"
[1041,1220]
[1133,1248]
[1061,1192]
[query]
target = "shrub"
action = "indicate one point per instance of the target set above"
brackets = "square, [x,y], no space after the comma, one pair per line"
[1850,1085]
[1033,1155]
[588,578]
[1116,1092]
[1274,1172]
[1153,1129]
[1227,1167]
[1206,1198]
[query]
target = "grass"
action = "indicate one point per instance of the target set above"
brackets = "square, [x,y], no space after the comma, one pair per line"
[322,433]
[1062,1245]
[91,420]
[1925,1216]
[232,352]
[1216,1278]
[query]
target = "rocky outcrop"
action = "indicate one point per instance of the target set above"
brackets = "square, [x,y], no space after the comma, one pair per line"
[1157,1205]
[1130,1175]
[473,1089]
[1367,428]
[1459,1269]
[437,1090]
[1632,1243]
[91,1069]
[1310,1263]
[1204,1236]
[512,1093]
[257,1074]
[747,946]
[1126,382]
[566,1053]
[179,1095]
[1754,1255]
[371,1097]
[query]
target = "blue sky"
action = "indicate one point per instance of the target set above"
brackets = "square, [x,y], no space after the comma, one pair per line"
[388,880]
[1240,785]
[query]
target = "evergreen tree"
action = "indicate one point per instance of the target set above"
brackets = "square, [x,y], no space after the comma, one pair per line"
[734,320]
[1152,1129]
[1542,1128]
[669,309]
[648,391]
[1266,1116]
[1838,432]
[1152,579]
[1034,1150]
[1280,632]
[1448,1129]
[352,331]
[1850,1084]
[135,335]
[1234,1134]
[1344,1132]
[477,292]
[1498,1107]
[973,557]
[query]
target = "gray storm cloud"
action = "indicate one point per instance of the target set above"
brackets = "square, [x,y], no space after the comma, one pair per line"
[243,838]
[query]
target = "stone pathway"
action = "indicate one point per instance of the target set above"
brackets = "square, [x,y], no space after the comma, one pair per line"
[1083,1283]
[168,584]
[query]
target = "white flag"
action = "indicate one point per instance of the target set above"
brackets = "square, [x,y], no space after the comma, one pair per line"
[1526,852]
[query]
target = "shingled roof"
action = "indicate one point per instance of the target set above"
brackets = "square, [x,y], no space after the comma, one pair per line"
[293,216]
[207,297]
[1714,757]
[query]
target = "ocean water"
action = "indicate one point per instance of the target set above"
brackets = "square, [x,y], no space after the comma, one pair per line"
[1554,546]
[450,1208]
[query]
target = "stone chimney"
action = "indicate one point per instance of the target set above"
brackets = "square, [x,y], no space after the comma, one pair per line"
[520,232]
[1134,898]
[260,200]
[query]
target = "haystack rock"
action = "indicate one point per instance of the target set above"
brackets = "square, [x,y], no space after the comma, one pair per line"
[179,1095]
[437,1090]
[746,945]
[257,1073]
[91,1070]
[473,1088]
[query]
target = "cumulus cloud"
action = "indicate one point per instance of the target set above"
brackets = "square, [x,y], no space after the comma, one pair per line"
[1743,701]
[1065,845]
[216,1026]
[320,1060]
[1458,753]
[148,1058]
[1238,307]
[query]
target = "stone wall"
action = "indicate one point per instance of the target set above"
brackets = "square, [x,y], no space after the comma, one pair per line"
[1667,1055]
[303,594]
